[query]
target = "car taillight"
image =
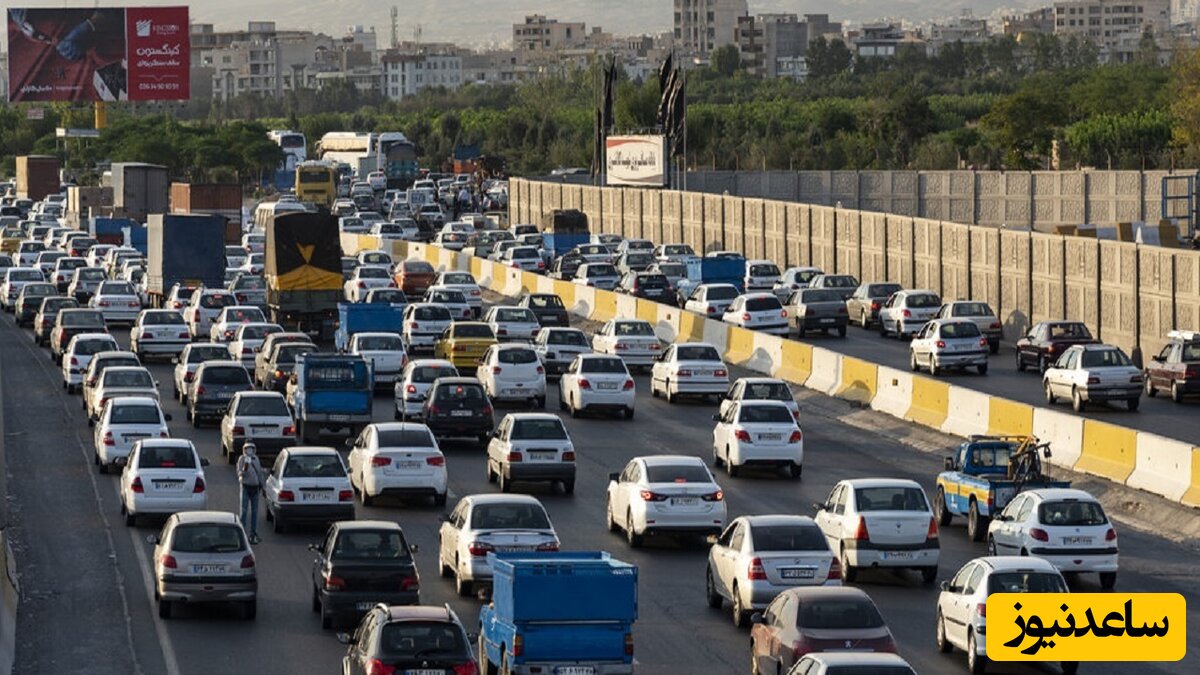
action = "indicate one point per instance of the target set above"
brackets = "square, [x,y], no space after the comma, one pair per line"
[413,325]
[548,546]
[136,485]
[1136,379]
[835,570]
[200,390]
[981,609]
[983,342]
[487,410]
[74,361]
[649,496]
[1051,348]
[345,495]
[629,644]
[1093,380]
[177,305]
[714,496]
[465,668]
[287,496]
[1111,535]
[541,370]
[745,316]
[239,431]
[783,314]
[133,304]
[199,487]
[381,461]
[279,374]
[102,402]
[1039,534]
[501,331]
[861,532]
[333,583]
[247,561]
[683,372]
[410,583]
[756,572]
[907,314]
[710,309]
[932,532]
[168,561]
[584,384]
[842,310]
[720,372]
[518,645]
[515,456]
[436,460]
[496,370]
[743,435]
[434,410]
[188,377]
[796,437]
[108,438]
[362,284]
[941,344]
[995,326]
[102,303]
[480,548]
[628,385]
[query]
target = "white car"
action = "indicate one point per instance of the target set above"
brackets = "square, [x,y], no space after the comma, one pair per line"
[254,263]
[602,275]
[387,232]
[365,278]
[46,262]
[118,301]
[1086,373]
[465,282]
[597,382]
[674,252]
[907,311]
[512,323]
[262,417]
[100,362]
[526,258]
[832,663]
[513,372]
[79,353]
[235,256]
[760,389]
[415,382]
[880,522]
[758,311]
[636,245]
[758,433]
[64,270]
[247,338]
[424,324]
[97,254]
[531,447]
[397,459]
[15,279]
[631,339]
[761,275]
[961,604]
[204,307]
[375,258]
[254,242]
[179,298]
[689,369]
[385,352]
[309,485]
[452,299]
[189,360]
[758,557]
[981,314]
[558,347]
[948,343]
[483,524]
[225,326]
[28,252]
[158,331]
[1065,526]
[595,252]
[451,241]
[162,476]
[711,300]
[664,494]
[118,381]
[124,421]
[386,296]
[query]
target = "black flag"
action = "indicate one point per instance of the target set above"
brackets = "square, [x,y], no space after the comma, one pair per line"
[678,121]
[664,73]
[610,76]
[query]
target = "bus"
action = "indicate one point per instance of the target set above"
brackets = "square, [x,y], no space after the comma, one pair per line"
[295,151]
[398,160]
[316,182]
[265,211]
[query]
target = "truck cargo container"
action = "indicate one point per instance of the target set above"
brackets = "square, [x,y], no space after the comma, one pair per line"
[208,198]
[140,188]
[37,176]
[110,230]
[82,198]
[303,270]
[183,249]
[361,317]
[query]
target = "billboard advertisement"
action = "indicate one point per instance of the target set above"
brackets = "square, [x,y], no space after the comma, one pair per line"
[98,54]
[639,161]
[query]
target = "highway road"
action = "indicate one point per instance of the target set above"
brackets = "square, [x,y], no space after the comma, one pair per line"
[87,603]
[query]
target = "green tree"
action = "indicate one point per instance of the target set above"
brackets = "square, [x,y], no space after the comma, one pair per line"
[1023,123]
[726,60]
[828,58]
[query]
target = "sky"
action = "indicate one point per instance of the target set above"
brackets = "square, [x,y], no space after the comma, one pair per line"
[488,23]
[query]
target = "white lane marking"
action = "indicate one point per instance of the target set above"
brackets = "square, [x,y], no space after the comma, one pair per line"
[165,644]
[164,638]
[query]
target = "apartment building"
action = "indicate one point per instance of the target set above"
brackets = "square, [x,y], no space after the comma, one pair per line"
[703,25]
[1109,24]
[410,68]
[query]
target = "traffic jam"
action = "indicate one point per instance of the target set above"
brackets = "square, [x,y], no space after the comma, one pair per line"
[349,395]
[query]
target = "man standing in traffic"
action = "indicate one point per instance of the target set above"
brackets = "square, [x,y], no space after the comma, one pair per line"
[250,477]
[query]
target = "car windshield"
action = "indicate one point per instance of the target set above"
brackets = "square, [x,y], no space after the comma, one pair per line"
[890,498]
[515,315]
[633,329]
[37,290]
[263,406]
[71,263]
[517,356]
[167,457]
[377,258]
[336,375]
[389,296]
[697,353]
[244,315]
[199,354]
[54,304]
[404,438]
[89,347]
[545,301]
[447,296]
[1071,513]
[721,293]
[134,414]
[225,375]
[469,393]
[764,271]
[1103,358]
[89,274]
[538,430]
[373,273]
[840,281]
[235,251]
[653,281]
[820,295]
[601,270]
[82,318]
[524,253]
[383,343]
[763,304]
[573,338]
[1026,582]
[458,278]
[208,538]
[835,614]
[427,374]
[672,269]
[1060,331]
[417,267]
[370,545]
[167,318]
[115,288]
[516,516]
[767,391]
[216,301]
[474,331]
[417,640]
[677,249]
[258,332]
[1191,352]
[247,282]
[959,329]
[286,354]
[677,473]
[989,455]
[637,258]
[314,466]
[923,300]
[127,378]
[972,309]
[765,414]
[788,538]
[25,275]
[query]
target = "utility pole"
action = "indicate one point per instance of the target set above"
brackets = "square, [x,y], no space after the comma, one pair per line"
[395,26]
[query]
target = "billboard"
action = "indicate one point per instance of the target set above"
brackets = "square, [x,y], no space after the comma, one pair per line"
[639,161]
[98,54]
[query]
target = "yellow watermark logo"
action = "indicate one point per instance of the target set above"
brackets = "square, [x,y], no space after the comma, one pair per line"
[1086,627]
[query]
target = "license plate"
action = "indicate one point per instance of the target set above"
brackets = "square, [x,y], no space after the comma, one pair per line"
[798,572]
[168,485]
[897,555]
[575,670]
[409,465]
[339,418]
[317,496]
[364,606]
[827,320]
[424,671]
[1075,541]
[460,413]
[770,437]
[684,501]
[208,569]
[133,437]
[224,395]
[543,456]
[606,385]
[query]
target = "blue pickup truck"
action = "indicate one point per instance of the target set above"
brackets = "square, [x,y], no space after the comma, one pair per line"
[567,613]
[366,318]
[330,391]
[984,475]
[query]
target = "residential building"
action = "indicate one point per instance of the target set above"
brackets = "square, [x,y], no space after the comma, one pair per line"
[766,40]
[410,68]
[792,67]
[540,37]
[965,29]
[262,60]
[880,40]
[1109,23]
[703,25]
[366,79]
[1030,23]
[494,67]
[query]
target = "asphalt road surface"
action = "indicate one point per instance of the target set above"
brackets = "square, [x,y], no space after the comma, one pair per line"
[87,605]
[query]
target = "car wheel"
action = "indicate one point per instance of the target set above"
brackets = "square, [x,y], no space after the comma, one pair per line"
[1108,580]
[540,402]
[1148,387]
[194,418]
[629,413]
[929,575]
[841,331]
[849,572]
[667,392]
[439,499]
[635,539]
[991,545]
[609,521]
[976,523]
[1176,392]
[277,526]
[975,662]
[1050,397]
[939,508]
[569,487]
[732,469]
[101,466]
[491,475]
[461,586]
[882,328]
[316,600]
[795,470]
[1077,402]
[943,644]
[994,347]
[505,483]
[862,320]
[164,608]
[365,497]
[130,519]
[982,368]
[250,610]
[562,404]
[710,591]
[574,408]
[1133,403]
[1020,362]
[716,459]
[912,362]
[1043,364]
[738,609]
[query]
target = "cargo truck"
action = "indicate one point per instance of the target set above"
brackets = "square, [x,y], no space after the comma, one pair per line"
[366,318]
[303,270]
[183,249]
[559,612]
[330,391]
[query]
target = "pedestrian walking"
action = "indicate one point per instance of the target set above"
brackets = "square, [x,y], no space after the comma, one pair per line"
[250,478]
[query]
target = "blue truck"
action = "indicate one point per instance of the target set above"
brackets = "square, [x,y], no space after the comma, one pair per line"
[724,269]
[366,318]
[559,244]
[183,248]
[562,612]
[330,391]
[984,475]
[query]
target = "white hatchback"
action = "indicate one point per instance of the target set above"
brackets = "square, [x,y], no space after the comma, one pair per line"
[385,352]
[948,343]
[452,299]
[226,324]
[907,311]
[758,434]
[307,484]
[415,382]
[423,324]
[631,339]
[512,323]
[483,524]
[597,382]
[158,331]
[531,447]
[758,311]
[664,494]
[513,373]
[689,369]
[397,459]
[118,301]
[123,422]
[162,476]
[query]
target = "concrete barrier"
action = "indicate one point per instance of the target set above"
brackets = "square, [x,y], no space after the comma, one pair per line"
[893,391]
[545,285]
[605,306]
[1192,496]
[647,310]
[968,412]
[584,300]
[1107,450]
[826,374]
[795,361]
[767,352]
[691,327]
[716,333]
[666,325]
[1162,465]
[565,290]
[859,380]
[1063,431]
[930,402]
[1007,418]
[627,306]
[741,346]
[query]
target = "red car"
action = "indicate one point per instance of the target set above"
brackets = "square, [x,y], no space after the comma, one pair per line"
[414,277]
[1047,341]
[1176,368]
[816,619]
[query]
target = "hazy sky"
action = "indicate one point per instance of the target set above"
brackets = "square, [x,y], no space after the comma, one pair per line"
[480,23]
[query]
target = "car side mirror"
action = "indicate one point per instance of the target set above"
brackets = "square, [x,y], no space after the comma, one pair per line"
[316,548]
[948,464]
[945,585]
[711,539]
[444,518]
[152,539]
[1157,359]
[756,617]
[716,417]
[414,548]
[204,461]
[818,506]
[349,442]
[345,638]
[1002,518]
[121,461]
[614,477]
[167,417]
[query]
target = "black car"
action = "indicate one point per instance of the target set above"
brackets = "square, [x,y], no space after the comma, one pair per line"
[1047,341]
[29,301]
[565,267]
[361,563]
[458,407]
[213,387]
[547,307]
[647,285]
[403,639]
